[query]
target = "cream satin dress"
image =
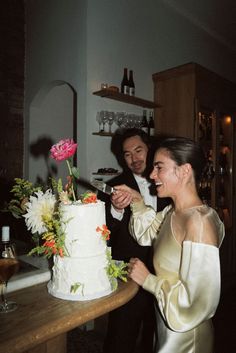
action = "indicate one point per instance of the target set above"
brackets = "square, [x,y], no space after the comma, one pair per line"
[187,280]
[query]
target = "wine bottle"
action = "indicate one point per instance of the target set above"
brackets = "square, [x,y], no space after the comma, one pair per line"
[151,126]
[223,163]
[7,251]
[144,124]
[6,246]
[5,240]
[125,82]
[131,84]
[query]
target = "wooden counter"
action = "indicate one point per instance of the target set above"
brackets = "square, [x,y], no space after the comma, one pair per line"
[41,322]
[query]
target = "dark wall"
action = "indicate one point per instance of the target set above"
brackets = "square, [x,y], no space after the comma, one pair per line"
[12,61]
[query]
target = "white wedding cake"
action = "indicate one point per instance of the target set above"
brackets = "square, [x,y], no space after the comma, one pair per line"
[82,275]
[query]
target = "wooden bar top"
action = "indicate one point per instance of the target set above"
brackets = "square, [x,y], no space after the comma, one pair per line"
[41,317]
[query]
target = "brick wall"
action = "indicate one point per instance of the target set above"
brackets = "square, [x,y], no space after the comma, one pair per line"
[12,58]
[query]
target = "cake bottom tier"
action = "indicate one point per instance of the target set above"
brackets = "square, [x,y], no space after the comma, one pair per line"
[80,278]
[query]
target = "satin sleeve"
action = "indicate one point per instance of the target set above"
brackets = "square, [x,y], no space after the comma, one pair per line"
[193,296]
[145,222]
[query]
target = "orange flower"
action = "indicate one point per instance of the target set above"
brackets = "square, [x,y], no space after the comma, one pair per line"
[61,252]
[104,232]
[49,244]
[89,197]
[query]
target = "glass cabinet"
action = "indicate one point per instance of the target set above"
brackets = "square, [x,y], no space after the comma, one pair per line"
[215,134]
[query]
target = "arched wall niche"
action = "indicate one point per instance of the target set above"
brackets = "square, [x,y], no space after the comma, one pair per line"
[52,117]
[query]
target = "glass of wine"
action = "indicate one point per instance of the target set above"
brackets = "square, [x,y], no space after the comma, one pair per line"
[9,265]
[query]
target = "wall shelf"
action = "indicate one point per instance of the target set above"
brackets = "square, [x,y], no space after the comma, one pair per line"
[106,93]
[103,133]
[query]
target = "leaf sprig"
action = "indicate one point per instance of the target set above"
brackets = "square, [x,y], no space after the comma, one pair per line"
[22,190]
[115,270]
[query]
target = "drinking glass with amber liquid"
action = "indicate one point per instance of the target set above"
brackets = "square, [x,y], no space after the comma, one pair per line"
[9,265]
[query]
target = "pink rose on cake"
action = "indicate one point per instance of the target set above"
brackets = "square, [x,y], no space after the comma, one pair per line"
[64,149]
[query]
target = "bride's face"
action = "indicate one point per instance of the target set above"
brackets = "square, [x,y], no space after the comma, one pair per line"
[166,174]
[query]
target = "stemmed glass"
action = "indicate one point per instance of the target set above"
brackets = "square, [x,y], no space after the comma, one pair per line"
[119,119]
[104,118]
[9,265]
[111,117]
[99,120]
[138,121]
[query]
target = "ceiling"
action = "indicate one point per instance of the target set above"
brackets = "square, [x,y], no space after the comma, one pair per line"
[217,17]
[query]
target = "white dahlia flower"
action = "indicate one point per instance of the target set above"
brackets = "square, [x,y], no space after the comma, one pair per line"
[38,206]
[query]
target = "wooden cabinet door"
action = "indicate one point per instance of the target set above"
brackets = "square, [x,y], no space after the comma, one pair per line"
[175,92]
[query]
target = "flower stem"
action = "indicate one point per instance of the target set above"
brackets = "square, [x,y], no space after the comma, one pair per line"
[70,173]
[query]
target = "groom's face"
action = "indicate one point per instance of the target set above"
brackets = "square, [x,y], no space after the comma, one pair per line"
[135,154]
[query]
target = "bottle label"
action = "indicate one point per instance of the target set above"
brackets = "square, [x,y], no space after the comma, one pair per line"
[152,131]
[131,91]
[126,89]
[145,129]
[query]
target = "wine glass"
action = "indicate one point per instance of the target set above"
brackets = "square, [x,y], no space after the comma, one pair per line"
[104,118]
[119,119]
[111,117]
[99,120]
[9,265]
[138,122]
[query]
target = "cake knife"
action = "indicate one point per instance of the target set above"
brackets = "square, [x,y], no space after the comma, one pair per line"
[100,185]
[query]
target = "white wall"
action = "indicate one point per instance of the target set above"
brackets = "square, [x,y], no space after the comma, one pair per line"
[55,51]
[88,42]
[51,119]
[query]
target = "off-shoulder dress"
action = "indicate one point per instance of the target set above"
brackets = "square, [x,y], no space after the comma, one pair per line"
[187,281]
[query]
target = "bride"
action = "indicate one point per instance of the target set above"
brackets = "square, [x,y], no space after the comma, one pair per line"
[186,237]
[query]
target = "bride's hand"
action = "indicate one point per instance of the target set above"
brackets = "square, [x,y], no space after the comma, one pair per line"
[126,194]
[137,271]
